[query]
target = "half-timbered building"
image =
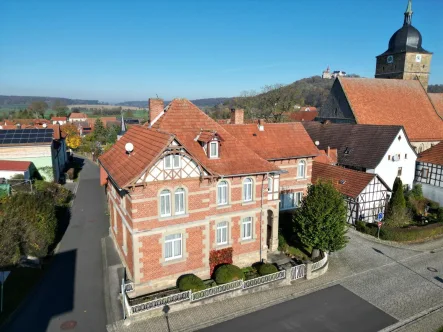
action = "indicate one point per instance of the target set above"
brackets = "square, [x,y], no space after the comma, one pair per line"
[366,194]
[429,173]
[183,187]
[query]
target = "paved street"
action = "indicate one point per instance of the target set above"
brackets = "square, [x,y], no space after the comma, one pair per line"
[333,309]
[71,292]
[401,282]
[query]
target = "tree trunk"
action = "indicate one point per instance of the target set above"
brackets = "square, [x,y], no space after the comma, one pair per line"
[315,253]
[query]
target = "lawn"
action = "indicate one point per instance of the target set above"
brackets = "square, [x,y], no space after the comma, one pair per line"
[18,285]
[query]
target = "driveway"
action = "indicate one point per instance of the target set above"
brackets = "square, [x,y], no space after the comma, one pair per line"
[70,296]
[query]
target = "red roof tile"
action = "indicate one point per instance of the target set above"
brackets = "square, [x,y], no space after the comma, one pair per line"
[353,182]
[394,102]
[330,159]
[308,109]
[276,141]
[58,118]
[185,120]
[300,116]
[148,145]
[433,155]
[77,115]
[437,100]
[13,165]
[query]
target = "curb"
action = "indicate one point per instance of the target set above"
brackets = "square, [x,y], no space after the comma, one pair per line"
[109,317]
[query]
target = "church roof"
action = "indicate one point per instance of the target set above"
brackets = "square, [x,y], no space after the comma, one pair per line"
[394,102]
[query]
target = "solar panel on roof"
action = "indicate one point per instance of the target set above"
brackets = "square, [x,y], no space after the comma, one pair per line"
[25,136]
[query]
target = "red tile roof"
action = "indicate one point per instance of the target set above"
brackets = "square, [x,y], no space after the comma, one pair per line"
[433,155]
[125,168]
[437,100]
[276,141]
[12,165]
[308,109]
[58,118]
[353,182]
[394,102]
[330,159]
[185,120]
[300,116]
[77,115]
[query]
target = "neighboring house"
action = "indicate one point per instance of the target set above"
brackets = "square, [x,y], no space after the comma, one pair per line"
[11,168]
[302,115]
[287,146]
[386,102]
[383,150]
[61,120]
[183,188]
[326,74]
[366,194]
[338,73]
[44,147]
[83,127]
[429,173]
[77,117]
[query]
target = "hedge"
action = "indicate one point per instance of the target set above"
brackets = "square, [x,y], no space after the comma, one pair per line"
[228,273]
[190,282]
[406,234]
[267,268]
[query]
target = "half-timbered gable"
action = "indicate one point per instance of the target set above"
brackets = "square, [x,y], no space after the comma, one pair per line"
[366,194]
[429,173]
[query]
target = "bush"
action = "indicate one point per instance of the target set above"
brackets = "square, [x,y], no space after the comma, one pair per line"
[416,192]
[416,233]
[228,273]
[440,215]
[59,194]
[267,268]
[190,282]
[360,226]
[282,244]
[219,257]
[433,205]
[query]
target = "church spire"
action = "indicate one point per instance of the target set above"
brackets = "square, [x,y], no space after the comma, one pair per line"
[408,14]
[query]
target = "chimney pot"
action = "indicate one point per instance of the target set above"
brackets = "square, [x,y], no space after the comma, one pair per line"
[261,124]
[328,151]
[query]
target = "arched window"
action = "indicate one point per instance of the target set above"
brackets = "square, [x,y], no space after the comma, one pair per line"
[165,203]
[247,190]
[180,201]
[222,193]
[301,171]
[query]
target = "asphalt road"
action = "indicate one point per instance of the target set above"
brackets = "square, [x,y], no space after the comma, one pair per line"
[70,296]
[334,309]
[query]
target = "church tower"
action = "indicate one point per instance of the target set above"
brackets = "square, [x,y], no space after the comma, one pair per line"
[405,58]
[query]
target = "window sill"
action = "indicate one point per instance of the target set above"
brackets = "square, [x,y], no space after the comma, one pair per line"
[247,241]
[222,246]
[248,203]
[173,217]
[173,261]
[223,206]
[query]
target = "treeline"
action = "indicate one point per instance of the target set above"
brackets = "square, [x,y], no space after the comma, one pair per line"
[206,102]
[12,100]
[435,88]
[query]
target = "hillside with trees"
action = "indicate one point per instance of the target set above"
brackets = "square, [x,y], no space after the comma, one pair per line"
[27,100]
[206,102]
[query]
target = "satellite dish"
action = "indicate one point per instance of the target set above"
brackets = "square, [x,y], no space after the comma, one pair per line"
[45,125]
[317,143]
[129,147]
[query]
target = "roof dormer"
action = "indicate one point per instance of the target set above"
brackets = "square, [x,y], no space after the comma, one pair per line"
[210,141]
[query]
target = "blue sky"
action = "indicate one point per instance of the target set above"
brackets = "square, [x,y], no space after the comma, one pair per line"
[132,50]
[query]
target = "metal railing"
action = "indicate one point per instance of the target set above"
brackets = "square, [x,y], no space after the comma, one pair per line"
[204,294]
[320,263]
[298,272]
[161,302]
[264,279]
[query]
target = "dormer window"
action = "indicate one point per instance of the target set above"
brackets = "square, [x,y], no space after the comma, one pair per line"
[213,149]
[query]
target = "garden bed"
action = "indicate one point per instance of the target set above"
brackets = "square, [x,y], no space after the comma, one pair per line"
[287,240]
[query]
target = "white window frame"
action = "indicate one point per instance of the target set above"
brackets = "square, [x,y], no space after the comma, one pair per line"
[171,160]
[179,192]
[270,184]
[168,159]
[222,186]
[171,240]
[248,185]
[298,199]
[213,152]
[221,236]
[299,173]
[165,194]
[176,158]
[246,227]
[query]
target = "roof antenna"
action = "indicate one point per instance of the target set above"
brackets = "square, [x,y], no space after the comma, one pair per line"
[157,96]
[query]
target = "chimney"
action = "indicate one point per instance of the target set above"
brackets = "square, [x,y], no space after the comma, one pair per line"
[156,106]
[237,116]
[261,124]
[328,151]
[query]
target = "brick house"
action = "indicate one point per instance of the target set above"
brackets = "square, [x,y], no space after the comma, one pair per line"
[187,186]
